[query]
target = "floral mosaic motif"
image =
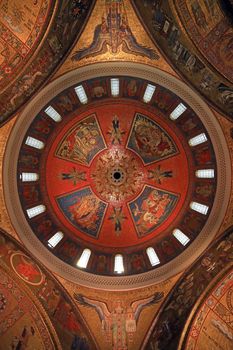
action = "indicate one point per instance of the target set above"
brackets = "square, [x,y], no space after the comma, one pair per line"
[122,174]
[149,140]
[115,132]
[114,33]
[151,209]
[84,210]
[26,269]
[82,142]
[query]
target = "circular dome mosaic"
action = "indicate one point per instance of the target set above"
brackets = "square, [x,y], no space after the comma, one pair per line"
[116,175]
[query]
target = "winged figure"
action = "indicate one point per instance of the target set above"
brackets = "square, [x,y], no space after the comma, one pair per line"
[113,32]
[122,320]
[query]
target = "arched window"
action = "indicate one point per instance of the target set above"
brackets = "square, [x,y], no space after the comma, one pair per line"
[84,258]
[197,140]
[80,92]
[180,236]
[205,173]
[115,87]
[176,113]
[32,142]
[53,114]
[55,239]
[150,89]
[29,177]
[119,264]
[36,210]
[200,208]
[153,257]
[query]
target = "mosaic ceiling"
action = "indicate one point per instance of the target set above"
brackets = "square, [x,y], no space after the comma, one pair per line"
[196,37]
[198,312]
[113,184]
[35,310]
[104,176]
[43,30]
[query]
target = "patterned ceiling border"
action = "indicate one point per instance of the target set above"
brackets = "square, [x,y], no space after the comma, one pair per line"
[64,29]
[169,327]
[223,182]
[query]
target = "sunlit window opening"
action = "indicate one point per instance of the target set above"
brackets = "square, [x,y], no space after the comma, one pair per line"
[53,241]
[29,177]
[197,140]
[84,258]
[153,257]
[200,208]
[36,210]
[180,236]
[150,89]
[115,87]
[31,141]
[118,264]
[205,173]
[81,94]
[53,114]
[176,113]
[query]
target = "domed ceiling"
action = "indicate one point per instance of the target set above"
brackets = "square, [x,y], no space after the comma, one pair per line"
[116,175]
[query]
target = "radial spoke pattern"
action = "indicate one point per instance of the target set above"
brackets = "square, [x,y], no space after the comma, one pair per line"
[118,187]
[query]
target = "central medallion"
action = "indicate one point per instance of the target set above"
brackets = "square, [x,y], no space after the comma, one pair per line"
[117,175]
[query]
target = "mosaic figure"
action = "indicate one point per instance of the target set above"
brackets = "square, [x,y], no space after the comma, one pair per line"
[149,140]
[21,341]
[82,143]
[115,132]
[131,88]
[114,33]
[120,324]
[102,264]
[26,269]
[199,15]
[84,210]
[151,208]
[117,217]
[158,174]
[74,175]
[204,190]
